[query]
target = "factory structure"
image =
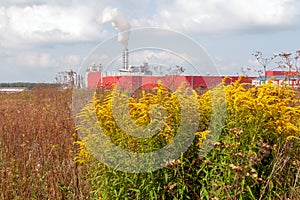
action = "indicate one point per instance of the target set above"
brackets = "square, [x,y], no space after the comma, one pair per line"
[132,76]
[13,89]
[146,77]
[291,78]
[69,79]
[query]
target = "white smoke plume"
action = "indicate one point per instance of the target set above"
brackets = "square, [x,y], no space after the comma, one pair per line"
[119,21]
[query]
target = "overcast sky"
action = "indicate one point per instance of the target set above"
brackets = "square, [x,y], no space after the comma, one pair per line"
[38,38]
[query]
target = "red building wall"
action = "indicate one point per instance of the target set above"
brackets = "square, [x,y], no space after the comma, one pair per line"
[93,79]
[275,73]
[148,82]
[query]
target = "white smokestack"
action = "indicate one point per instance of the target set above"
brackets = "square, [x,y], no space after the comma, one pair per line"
[125,59]
[119,21]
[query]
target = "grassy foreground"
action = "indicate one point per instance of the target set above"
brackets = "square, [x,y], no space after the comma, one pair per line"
[36,146]
[256,156]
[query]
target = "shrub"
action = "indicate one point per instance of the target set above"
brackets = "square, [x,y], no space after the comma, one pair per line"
[255,157]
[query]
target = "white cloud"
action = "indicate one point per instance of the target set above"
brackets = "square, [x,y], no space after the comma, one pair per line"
[3,18]
[48,24]
[218,16]
[33,33]
[155,57]
[30,59]
[39,21]
[16,1]
[70,60]
[42,60]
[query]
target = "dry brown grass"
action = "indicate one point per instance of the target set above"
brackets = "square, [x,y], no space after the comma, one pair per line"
[36,146]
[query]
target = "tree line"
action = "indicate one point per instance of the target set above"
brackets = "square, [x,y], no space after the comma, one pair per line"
[28,85]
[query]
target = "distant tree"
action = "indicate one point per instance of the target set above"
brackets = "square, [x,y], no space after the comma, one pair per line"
[264,62]
[290,62]
[28,85]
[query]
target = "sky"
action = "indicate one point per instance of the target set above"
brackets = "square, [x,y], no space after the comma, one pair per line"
[39,38]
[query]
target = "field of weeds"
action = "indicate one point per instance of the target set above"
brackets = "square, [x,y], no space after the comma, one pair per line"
[36,146]
[255,157]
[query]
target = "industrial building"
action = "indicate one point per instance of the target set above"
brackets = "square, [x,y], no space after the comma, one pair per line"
[131,77]
[12,89]
[97,79]
[145,77]
[291,78]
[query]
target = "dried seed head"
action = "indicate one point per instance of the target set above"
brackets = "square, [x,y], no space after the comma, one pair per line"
[207,161]
[254,175]
[236,168]
[216,144]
